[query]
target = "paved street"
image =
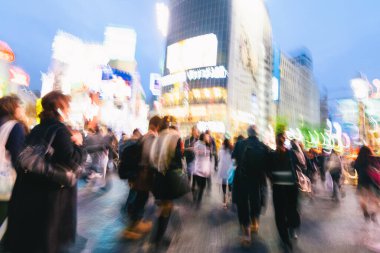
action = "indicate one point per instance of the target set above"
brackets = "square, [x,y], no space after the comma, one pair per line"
[326,226]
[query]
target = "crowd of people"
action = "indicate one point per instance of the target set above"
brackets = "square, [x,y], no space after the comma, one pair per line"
[40,168]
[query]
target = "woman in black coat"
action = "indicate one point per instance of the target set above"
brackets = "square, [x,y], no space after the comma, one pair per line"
[42,213]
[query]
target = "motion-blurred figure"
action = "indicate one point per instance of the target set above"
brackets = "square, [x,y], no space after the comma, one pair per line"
[250,186]
[224,166]
[285,191]
[141,182]
[12,137]
[43,212]
[189,150]
[368,189]
[202,167]
[334,166]
[166,157]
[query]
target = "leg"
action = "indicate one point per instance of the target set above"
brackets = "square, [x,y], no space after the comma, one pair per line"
[293,217]
[280,206]
[201,187]
[165,209]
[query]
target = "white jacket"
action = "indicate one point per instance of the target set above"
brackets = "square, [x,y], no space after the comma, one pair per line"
[202,166]
[225,163]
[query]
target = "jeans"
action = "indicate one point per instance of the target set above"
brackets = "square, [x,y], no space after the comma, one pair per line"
[135,204]
[201,184]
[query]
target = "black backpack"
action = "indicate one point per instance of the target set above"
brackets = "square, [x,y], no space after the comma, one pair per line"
[254,159]
[130,161]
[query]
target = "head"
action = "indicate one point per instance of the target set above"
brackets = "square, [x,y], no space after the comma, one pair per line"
[280,140]
[365,153]
[252,131]
[227,144]
[136,133]
[154,123]
[55,105]
[194,132]
[167,121]
[202,137]
[11,108]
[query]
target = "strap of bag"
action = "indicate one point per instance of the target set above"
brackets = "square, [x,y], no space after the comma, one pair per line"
[48,148]
[5,130]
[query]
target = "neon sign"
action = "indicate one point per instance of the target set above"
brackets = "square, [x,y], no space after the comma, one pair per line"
[207,73]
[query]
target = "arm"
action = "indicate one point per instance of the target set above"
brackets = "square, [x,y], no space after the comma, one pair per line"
[15,142]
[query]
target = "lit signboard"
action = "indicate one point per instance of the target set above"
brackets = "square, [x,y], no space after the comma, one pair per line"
[155,84]
[206,73]
[217,72]
[196,52]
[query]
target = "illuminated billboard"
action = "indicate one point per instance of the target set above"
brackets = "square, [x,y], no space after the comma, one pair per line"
[196,52]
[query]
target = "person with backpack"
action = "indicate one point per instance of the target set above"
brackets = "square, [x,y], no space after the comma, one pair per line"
[249,186]
[282,174]
[12,137]
[334,166]
[189,151]
[134,166]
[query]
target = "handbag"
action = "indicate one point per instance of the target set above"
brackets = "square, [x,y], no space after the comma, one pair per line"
[7,172]
[304,183]
[36,159]
[231,175]
[171,185]
[374,174]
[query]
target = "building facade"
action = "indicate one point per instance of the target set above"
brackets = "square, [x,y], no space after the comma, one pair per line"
[299,99]
[218,64]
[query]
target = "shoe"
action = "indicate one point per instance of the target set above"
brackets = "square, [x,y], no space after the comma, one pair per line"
[293,234]
[245,241]
[255,226]
[131,235]
[143,227]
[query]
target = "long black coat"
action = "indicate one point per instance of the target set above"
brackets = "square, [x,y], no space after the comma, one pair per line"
[42,214]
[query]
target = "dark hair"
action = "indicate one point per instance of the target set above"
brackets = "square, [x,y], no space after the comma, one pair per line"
[8,106]
[278,138]
[155,122]
[51,102]
[202,137]
[136,131]
[227,144]
[364,156]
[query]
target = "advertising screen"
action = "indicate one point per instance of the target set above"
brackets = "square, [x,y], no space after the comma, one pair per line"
[196,52]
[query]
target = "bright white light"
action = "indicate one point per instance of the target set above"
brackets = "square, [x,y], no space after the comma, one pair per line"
[360,88]
[120,43]
[162,14]
[196,52]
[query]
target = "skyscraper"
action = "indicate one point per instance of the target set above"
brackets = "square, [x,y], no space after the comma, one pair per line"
[218,64]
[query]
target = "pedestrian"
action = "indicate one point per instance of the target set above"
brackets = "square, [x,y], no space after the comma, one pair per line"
[249,186]
[166,158]
[282,173]
[224,166]
[368,190]
[12,137]
[189,151]
[43,213]
[141,184]
[214,156]
[335,168]
[202,167]
[96,148]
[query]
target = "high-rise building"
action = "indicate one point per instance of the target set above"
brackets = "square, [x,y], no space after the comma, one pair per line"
[298,100]
[218,64]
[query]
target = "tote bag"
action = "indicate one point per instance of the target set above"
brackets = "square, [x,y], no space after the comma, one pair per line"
[7,172]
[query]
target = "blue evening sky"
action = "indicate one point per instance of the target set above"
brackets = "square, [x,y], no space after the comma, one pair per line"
[342,35]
